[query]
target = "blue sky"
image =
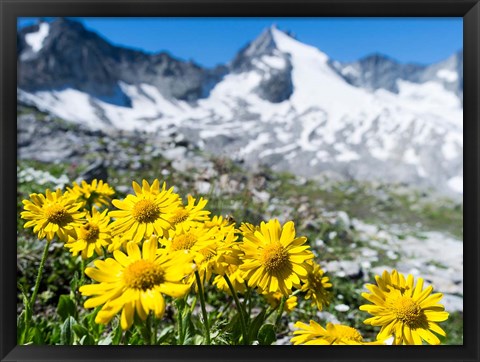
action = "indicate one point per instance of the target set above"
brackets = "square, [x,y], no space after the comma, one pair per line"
[211,41]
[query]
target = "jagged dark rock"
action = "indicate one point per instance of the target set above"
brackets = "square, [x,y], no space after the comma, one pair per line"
[378,71]
[276,84]
[74,57]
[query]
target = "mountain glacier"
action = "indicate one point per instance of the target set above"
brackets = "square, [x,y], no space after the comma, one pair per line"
[279,102]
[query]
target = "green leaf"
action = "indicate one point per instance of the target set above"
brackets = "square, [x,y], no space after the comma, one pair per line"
[80,330]
[21,326]
[266,334]
[255,325]
[26,302]
[75,281]
[66,307]
[117,334]
[66,334]
[87,340]
[166,334]
[234,328]
[35,336]
[94,328]
[105,341]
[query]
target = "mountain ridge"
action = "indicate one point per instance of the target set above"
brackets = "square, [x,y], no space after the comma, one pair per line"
[279,102]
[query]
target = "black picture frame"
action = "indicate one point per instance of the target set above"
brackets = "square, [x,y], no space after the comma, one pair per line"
[11,9]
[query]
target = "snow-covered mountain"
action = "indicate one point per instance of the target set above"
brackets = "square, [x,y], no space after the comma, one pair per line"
[279,102]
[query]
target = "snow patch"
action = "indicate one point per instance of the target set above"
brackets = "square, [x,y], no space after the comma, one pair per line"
[349,70]
[450,150]
[255,144]
[456,184]
[35,40]
[274,62]
[448,75]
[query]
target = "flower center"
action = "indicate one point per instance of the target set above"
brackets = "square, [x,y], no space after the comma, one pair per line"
[275,258]
[57,214]
[183,242]
[346,332]
[145,211]
[407,310]
[89,232]
[143,275]
[179,216]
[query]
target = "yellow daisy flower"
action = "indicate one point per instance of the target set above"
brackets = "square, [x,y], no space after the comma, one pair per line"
[136,282]
[224,227]
[218,221]
[96,193]
[91,236]
[246,227]
[274,259]
[316,285]
[144,213]
[334,334]
[117,242]
[404,310]
[274,300]
[193,239]
[52,213]
[235,276]
[182,218]
[215,255]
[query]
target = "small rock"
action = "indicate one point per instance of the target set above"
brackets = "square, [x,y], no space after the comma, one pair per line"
[342,268]
[96,171]
[202,187]
[342,307]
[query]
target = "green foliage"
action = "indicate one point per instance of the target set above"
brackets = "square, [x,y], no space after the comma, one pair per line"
[266,334]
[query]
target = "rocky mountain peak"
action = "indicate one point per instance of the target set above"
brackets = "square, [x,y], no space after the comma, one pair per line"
[263,45]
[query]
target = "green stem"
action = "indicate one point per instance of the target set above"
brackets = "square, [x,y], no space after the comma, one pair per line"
[270,311]
[204,310]
[82,271]
[33,299]
[148,330]
[224,309]
[280,311]
[155,328]
[180,306]
[239,308]
[39,276]
[125,335]
[248,297]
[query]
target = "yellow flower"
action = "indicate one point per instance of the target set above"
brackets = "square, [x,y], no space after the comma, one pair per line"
[91,236]
[144,213]
[52,213]
[224,227]
[207,247]
[136,282]
[246,227]
[408,312]
[192,240]
[117,242]
[235,276]
[182,218]
[96,193]
[334,334]
[217,255]
[274,300]
[316,285]
[274,259]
